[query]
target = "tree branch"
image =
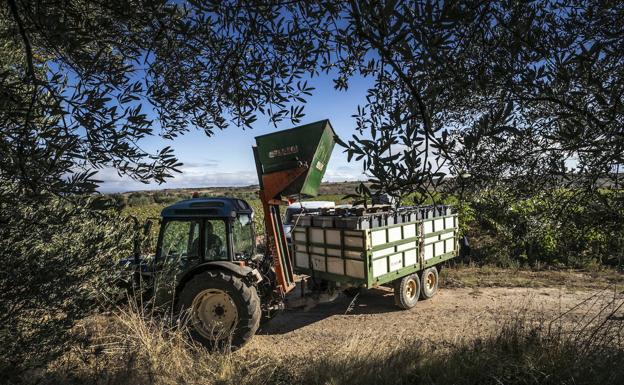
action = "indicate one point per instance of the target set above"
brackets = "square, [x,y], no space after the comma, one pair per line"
[22,31]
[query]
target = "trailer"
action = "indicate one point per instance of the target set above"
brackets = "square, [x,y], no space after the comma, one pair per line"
[395,248]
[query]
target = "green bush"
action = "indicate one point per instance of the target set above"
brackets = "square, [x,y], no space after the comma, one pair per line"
[140,199]
[557,228]
[121,200]
[165,197]
[59,259]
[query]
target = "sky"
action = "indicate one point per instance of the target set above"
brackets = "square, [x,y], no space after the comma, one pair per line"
[226,158]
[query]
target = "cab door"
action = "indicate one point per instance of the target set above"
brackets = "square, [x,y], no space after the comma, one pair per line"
[179,249]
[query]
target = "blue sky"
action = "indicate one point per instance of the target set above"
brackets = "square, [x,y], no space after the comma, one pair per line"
[226,159]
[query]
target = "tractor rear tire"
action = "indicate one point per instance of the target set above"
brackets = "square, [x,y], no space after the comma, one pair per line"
[429,282]
[407,291]
[220,310]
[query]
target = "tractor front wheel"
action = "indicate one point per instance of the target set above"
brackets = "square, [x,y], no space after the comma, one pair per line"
[220,309]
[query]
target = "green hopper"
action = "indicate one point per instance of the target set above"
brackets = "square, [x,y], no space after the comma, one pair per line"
[309,145]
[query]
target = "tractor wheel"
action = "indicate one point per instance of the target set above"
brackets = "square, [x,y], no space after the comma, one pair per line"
[429,283]
[220,310]
[407,291]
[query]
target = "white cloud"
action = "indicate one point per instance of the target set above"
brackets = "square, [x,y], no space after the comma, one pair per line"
[344,173]
[210,174]
[207,174]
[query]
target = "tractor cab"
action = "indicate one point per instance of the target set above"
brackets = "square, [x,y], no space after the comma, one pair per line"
[200,230]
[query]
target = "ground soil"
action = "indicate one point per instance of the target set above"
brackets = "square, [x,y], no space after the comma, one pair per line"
[453,315]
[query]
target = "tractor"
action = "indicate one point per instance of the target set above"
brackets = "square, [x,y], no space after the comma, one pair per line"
[207,262]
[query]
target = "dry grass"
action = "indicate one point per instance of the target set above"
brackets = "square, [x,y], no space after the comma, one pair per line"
[131,347]
[527,348]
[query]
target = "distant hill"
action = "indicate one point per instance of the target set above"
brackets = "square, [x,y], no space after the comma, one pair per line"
[334,191]
[328,188]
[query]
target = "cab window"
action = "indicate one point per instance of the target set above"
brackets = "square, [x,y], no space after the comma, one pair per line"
[242,231]
[180,240]
[215,246]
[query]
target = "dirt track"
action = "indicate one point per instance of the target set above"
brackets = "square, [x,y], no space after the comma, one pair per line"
[453,314]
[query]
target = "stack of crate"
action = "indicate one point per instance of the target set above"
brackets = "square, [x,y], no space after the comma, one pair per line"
[360,218]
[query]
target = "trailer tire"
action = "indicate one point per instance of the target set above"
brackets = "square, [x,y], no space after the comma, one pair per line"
[407,291]
[429,282]
[219,309]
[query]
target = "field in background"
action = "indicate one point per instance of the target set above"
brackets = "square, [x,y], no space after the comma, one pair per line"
[137,198]
[545,230]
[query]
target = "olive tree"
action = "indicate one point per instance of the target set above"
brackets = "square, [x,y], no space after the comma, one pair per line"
[525,91]
[513,92]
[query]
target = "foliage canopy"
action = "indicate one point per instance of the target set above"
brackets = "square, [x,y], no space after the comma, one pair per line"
[521,96]
[507,89]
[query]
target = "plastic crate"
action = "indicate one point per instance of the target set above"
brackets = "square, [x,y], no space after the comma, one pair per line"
[325,221]
[353,222]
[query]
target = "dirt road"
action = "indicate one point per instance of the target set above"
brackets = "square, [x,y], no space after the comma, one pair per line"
[452,315]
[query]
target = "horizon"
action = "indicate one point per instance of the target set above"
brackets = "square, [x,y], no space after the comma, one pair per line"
[215,187]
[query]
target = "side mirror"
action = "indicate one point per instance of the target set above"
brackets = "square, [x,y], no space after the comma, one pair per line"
[243,220]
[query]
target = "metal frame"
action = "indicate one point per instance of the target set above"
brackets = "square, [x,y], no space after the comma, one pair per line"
[271,186]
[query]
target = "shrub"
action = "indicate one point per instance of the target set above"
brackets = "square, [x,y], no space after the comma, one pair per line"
[558,228]
[162,197]
[58,265]
[121,200]
[140,199]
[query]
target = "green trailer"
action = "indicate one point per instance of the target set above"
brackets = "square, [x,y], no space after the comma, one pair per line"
[397,254]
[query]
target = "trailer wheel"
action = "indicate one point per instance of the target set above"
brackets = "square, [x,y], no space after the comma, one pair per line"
[407,291]
[429,283]
[220,310]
